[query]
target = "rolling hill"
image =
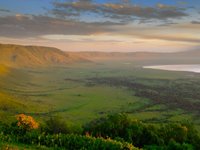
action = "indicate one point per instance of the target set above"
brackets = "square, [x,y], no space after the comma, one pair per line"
[3,70]
[18,56]
[31,56]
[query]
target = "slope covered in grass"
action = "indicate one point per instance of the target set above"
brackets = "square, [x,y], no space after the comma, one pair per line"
[11,102]
[29,56]
[3,70]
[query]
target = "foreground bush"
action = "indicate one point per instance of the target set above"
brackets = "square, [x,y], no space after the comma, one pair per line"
[68,141]
[141,134]
[171,146]
[26,123]
[25,131]
[99,134]
[55,125]
[119,125]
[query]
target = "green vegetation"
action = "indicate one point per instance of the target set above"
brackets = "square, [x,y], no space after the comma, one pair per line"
[145,135]
[24,132]
[82,95]
[82,92]
[117,132]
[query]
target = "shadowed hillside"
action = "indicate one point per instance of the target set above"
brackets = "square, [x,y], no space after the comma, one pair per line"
[16,56]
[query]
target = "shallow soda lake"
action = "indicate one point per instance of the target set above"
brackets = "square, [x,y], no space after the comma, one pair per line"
[190,68]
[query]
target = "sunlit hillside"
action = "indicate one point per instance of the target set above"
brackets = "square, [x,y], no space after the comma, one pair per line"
[3,70]
[16,56]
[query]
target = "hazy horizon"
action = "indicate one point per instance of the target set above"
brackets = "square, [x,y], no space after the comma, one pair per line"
[100,25]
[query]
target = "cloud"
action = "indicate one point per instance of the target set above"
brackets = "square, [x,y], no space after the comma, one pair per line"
[195,22]
[162,6]
[88,38]
[119,11]
[4,10]
[178,33]
[32,26]
[173,38]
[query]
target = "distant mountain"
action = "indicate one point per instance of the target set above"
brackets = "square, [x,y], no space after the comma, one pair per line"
[185,57]
[115,55]
[16,55]
[137,55]
[26,56]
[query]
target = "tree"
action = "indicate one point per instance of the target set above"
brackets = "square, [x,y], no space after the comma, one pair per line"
[26,122]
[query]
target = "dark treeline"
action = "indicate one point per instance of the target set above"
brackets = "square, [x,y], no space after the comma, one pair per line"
[114,132]
[179,93]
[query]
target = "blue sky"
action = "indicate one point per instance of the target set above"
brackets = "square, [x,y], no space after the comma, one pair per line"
[114,25]
[37,6]
[26,6]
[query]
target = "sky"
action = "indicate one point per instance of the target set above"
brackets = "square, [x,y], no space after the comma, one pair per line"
[102,25]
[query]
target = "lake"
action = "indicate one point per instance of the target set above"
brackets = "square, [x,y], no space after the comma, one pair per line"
[190,68]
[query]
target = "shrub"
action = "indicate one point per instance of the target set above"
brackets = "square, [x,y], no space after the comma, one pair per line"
[26,122]
[119,125]
[56,125]
[177,146]
[140,134]
[69,141]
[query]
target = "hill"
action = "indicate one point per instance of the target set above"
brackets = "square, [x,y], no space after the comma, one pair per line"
[16,56]
[20,56]
[185,57]
[3,70]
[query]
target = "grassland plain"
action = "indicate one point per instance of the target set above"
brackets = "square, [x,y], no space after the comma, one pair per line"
[77,94]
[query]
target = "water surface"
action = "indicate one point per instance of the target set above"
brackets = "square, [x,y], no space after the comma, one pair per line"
[190,68]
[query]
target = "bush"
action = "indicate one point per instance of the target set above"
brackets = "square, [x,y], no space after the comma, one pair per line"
[119,125]
[177,132]
[99,134]
[140,134]
[56,125]
[177,146]
[68,141]
[26,122]
[171,146]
